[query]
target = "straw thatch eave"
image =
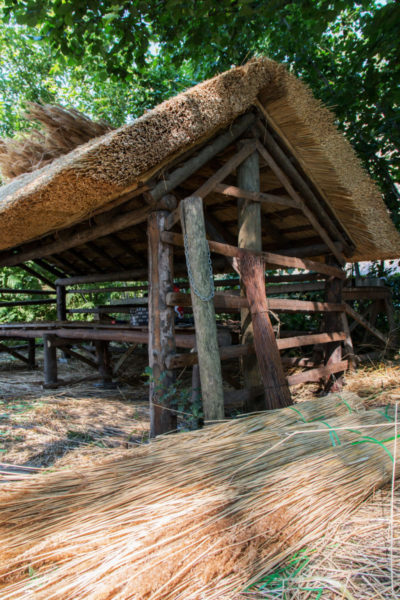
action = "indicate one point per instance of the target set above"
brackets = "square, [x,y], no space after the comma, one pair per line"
[87,179]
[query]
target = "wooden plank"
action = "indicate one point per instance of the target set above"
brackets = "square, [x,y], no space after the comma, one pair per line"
[192,218]
[261,197]
[108,290]
[77,238]
[202,157]
[20,291]
[318,373]
[268,257]
[161,326]
[359,319]
[26,302]
[231,301]
[128,275]
[287,184]
[178,361]
[226,169]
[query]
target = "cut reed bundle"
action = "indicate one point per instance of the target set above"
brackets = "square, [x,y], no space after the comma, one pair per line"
[184,519]
[61,131]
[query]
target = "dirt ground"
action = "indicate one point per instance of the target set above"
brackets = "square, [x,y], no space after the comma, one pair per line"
[358,559]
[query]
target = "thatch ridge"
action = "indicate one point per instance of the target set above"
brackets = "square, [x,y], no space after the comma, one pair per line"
[73,186]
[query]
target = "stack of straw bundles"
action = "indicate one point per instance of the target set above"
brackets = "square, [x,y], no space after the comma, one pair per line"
[191,517]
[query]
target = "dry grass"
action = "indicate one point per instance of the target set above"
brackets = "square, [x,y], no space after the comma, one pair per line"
[61,131]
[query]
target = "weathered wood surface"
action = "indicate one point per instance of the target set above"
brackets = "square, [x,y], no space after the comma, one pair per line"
[234,302]
[236,351]
[362,321]
[61,303]
[204,155]
[11,303]
[226,169]
[268,257]
[254,196]
[250,237]
[14,353]
[50,361]
[193,225]
[276,390]
[318,373]
[103,360]
[161,334]
[333,322]
[77,238]
[128,275]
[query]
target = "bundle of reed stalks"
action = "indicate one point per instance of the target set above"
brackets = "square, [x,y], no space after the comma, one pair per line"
[61,131]
[193,517]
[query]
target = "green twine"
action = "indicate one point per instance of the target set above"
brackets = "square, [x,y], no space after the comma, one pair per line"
[333,435]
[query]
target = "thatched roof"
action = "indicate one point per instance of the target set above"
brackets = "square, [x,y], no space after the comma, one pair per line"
[73,186]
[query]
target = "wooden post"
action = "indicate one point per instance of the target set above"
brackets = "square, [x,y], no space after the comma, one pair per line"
[104,361]
[50,362]
[161,325]
[333,322]
[61,303]
[192,218]
[250,237]
[31,353]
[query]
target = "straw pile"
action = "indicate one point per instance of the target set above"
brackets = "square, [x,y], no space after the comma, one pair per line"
[192,517]
[61,131]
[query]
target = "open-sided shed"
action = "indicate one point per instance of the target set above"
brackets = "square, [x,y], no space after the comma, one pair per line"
[248,166]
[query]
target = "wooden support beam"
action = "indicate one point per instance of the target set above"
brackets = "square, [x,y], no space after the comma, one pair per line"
[255,196]
[104,255]
[284,179]
[323,372]
[77,238]
[179,361]
[50,361]
[26,302]
[234,302]
[61,303]
[39,276]
[48,267]
[166,185]
[128,275]
[85,260]
[276,390]
[333,322]
[14,353]
[103,361]
[26,292]
[362,321]
[161,326]
[208,186]
[32,353]
[126,247]
[201,285]
[268,257]
[69,352]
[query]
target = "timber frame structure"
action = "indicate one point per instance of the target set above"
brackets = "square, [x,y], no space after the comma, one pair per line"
[242,192]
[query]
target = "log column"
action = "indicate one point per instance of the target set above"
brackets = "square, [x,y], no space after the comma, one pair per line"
[31,353]
[161,325]
[104,362]
[250,237]
[61,303]
[50,362]
[333,322]
[192,218]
